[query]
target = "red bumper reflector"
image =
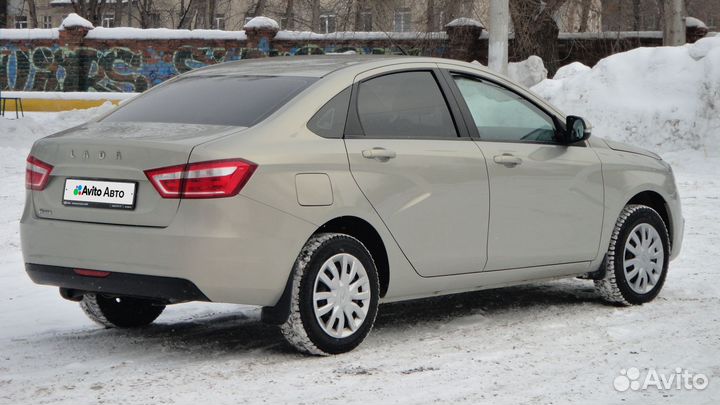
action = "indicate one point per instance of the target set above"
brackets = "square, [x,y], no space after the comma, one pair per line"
[91,273]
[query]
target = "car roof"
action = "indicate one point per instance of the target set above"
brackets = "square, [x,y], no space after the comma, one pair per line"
[307,66]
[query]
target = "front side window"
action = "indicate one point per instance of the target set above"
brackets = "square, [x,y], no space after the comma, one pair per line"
[213,100]
[502,115]
[47,21]
[404,105]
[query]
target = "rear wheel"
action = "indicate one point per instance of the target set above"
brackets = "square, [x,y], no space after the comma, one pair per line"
[637,259]
[120,312]
[335,295]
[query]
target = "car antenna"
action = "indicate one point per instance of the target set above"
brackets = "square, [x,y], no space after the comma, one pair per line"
[393,43]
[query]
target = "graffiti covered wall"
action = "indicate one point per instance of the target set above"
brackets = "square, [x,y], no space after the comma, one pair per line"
[71,62]
[115,68]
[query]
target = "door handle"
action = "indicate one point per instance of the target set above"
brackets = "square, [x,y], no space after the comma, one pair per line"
[507,159]
[379,153]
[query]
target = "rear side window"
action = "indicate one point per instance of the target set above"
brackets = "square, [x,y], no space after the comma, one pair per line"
[404,105]
[213,100]
[329,122]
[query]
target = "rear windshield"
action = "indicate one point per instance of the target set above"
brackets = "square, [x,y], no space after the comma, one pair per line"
[213,100]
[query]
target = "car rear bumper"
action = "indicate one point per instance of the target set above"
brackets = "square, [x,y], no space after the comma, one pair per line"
[165,289]
[232,250]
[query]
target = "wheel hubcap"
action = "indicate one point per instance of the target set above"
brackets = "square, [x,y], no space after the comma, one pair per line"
[643,258]
[341,295]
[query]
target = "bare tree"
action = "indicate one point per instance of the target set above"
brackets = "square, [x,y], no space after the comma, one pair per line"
[290,15]
[536,31]
[145,9]
[315,15]
[91,10]
[585,15]
[184,14]
[32,10]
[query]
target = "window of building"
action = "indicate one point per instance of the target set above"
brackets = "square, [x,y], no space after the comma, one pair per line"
[21,21]
[47,21]
[366,21]
[108,19]
[328,23]
[154,20]
[402,21]
[219,23]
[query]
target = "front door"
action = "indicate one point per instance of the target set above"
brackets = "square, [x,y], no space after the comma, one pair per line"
[546,198]
[427,182]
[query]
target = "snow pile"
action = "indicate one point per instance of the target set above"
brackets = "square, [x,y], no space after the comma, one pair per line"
[664,99]
[262,23]
[692,22]
[529,72]
[73,20]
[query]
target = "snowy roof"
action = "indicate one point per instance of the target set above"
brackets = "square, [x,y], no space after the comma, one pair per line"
[28,34]
[464,22]
[692,22]
[74,20]
[163,33]
[262,22]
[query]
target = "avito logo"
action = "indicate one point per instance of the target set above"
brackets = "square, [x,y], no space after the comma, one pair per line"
[97,192]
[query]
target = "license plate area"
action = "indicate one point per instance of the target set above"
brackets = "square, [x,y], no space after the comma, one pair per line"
[94,193]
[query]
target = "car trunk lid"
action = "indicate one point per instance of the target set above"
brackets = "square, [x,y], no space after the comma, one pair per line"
[117,152]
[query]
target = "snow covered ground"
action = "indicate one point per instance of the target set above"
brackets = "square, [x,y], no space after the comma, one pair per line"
[551,342]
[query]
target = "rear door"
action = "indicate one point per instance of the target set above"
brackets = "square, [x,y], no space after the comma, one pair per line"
[546,198]
[413,160]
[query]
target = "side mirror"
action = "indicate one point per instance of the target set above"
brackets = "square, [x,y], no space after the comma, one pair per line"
[576,129]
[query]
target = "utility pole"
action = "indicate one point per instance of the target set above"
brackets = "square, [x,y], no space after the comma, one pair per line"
[674,29]
[498,43]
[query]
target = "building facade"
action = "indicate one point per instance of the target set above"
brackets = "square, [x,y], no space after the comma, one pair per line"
[322,16]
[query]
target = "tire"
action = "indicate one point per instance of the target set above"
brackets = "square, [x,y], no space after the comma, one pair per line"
[312,327]
[120,312]
[622,283]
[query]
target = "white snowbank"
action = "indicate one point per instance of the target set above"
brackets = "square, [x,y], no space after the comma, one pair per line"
[464,22]
[665,98]
[70,95]
[163,33]
[262,22]
[570,70]
[74,20]
[529,72]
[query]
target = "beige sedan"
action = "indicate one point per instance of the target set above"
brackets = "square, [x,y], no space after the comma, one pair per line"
[318,187]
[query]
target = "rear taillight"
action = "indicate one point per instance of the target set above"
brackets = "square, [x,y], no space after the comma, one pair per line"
[214,179]
[37,174]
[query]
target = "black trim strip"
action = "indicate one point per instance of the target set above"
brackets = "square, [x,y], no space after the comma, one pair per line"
[168,289]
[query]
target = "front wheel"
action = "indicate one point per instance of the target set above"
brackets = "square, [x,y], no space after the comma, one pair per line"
[637,259]
[120,312]
[335,292]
